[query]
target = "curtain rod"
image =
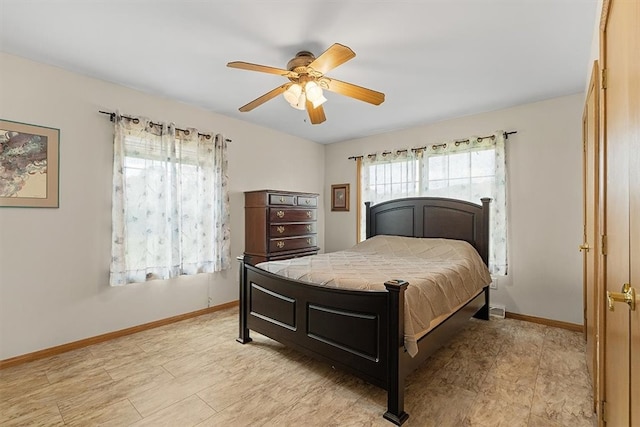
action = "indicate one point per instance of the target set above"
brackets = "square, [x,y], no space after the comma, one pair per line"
[112,116]
[434,146]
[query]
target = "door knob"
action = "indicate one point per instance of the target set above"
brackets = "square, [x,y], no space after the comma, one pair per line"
[627,295]
[584,247]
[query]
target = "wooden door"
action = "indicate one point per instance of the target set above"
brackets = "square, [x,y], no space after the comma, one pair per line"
[620,56]
[591,241]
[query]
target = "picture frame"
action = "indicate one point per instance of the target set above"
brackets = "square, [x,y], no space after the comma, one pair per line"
[340,197]
[29,165]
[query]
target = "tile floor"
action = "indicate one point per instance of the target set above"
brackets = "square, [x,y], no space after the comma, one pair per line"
[193,373]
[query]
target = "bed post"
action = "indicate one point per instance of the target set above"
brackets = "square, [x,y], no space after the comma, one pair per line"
[367,217]
[483,313]
[243,334]
[483,250]
[395,378]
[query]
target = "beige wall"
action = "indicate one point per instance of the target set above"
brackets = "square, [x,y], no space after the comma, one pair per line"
[54,262]
[544,197]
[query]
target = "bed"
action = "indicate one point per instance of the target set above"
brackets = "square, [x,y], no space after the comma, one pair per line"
[363,332]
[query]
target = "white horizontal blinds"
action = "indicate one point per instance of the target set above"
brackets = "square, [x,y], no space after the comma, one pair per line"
[170,214]
[467,170]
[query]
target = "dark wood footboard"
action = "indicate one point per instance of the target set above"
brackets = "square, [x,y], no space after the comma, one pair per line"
[345,328]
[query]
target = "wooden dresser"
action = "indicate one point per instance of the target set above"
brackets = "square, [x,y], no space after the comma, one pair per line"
[279,225]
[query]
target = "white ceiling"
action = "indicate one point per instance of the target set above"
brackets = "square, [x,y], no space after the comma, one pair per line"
[434,59]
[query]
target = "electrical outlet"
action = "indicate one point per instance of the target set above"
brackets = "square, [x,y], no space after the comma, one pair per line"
[209,302]
[494,283]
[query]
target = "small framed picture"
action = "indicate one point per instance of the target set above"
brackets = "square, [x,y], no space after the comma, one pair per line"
[340,197]
[29,156]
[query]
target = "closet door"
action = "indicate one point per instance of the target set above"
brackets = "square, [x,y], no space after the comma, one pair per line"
[620,49]
[591,247]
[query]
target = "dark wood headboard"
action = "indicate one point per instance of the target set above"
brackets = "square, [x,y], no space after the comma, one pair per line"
[432,217]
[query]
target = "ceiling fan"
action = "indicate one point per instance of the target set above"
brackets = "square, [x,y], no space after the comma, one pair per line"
[307,80]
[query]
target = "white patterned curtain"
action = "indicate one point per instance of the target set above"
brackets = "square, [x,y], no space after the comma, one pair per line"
[388,175]
[470,170]
[170,206]
[466,170]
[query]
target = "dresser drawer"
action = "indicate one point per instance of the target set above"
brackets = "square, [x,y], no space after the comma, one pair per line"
[307,201]
[286,230]
[289,215]
[292,243]
[282,199]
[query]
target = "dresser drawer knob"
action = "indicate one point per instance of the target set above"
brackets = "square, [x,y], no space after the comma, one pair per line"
[280,244]
[309,227]
[280,214]
[307,201]
[280,229]
[309,213]
[281,199]
[309,241]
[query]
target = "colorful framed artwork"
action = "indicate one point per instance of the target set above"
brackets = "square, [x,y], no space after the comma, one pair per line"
[340,197]
[29,160]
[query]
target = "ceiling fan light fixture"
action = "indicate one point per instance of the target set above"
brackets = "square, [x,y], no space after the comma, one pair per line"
[313,91]
[301,103]
[319,101]
[292,94]
[314,94]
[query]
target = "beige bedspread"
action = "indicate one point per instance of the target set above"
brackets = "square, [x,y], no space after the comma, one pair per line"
[442,274]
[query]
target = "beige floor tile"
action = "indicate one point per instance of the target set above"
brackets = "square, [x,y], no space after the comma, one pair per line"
[535,421]
[438,406]
[561,401]
[23,382]
[78,406]
[507,391]
[487,412]
[117,414]
[61,390]
[464,371]
[193,362]
[77,372]
[562,338]
[166,394]
[186,413]
[30,414]
[258,411]
[514,367]
[241,386]
[563,361]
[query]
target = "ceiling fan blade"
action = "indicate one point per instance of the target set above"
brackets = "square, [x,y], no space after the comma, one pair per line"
[336,55]
[354,91]
[315,114]
[264,98]
[261,68]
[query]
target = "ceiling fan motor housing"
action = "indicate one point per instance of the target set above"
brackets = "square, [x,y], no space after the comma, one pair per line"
[301,60]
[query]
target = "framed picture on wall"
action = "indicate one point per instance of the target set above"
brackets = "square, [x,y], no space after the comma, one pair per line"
[340,197]
[29,159]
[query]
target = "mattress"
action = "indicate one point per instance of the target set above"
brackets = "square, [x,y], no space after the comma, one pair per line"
[443,275]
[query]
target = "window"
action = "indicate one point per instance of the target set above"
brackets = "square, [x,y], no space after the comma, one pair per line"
[467,170]
[393,178]
[170,204]
[467,176]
